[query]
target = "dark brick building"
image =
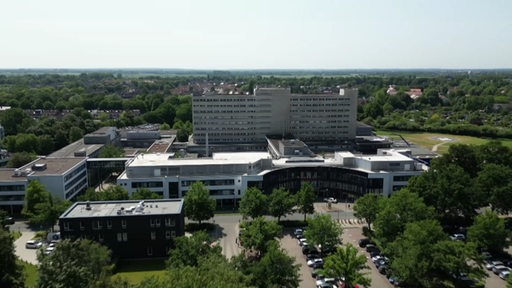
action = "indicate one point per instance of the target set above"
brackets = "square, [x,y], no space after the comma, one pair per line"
[131,229]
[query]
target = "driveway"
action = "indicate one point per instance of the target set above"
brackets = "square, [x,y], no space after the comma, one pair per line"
[29,255]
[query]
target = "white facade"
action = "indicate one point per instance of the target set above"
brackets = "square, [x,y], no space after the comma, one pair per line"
[228,119]
[228,175]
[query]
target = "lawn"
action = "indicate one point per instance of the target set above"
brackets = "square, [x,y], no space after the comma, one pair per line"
[428,140]
[137,270]
[31,274]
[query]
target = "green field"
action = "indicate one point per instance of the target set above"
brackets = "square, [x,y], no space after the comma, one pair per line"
[429,140]
[137,270]
[31,274]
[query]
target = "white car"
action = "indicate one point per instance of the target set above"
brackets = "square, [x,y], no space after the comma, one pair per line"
[315,261]
[49,250]
[303,241]
[33,244]
[458,237]
[491,264]
[500,268]
[504,275]
[325,280]
[331,200]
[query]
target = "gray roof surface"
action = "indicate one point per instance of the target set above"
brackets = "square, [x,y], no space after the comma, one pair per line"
[111,208]
[69,150]
[54,166]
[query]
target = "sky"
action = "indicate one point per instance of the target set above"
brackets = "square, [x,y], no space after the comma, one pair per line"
[256,34]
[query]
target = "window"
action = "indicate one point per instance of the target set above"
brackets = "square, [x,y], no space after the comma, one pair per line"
[119,237]
[66,226]
[152,222]
[125,236]
[82,226]
[123,224]
[153,235]
[167,234]
[149,251]
[173,234]
[170,222]
[96,225]
[109,224]
[157,222]
[100,237]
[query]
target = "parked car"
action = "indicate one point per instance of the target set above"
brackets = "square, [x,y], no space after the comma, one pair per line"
[365,241]
[312,256]
[315,261]
[308,249]
[372,248]
[492,263]
[302,241]
[504,274]
[330,281]
[298,233]
[316,272]
[500,268]
[331,200]
[8,221]
[33,244]
[49,250]
[458,237]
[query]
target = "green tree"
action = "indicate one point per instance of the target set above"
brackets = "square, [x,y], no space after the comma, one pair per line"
[450,190]
[144,193]
[396,212]
[256,234]
[212,271]
[367,207]
[347,264]
[306,198]
[253,203]
[36,195]
[199,205]
[488,232]
[11,273]
[190,250]
[275,269]
[75,134]
[323,231]
[494,182]
[47,213]
[80,263]
[423,256]
[280,203]
[21,158]
[111,151]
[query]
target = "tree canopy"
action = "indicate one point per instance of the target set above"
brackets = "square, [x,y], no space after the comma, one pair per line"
[346,263]
[199,206]
[11,273]
[281,203]
[80,264]
[366,207]
[323,231]
[306,197]
[253,203]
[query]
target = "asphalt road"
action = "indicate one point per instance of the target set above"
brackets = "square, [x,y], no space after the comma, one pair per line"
[29,255]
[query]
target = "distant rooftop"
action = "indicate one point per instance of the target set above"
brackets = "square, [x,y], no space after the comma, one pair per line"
[77,146]
[50,166]
[166,159]
[124,208]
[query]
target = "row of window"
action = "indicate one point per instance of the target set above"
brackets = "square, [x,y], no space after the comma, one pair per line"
[75,172]
[168,234]
[11,188]
[98,224]
[220,182]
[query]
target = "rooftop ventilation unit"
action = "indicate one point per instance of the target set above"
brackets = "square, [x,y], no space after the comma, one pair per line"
[88,205]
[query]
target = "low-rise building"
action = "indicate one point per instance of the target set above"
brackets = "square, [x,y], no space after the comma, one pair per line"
[131,229]
[228,175]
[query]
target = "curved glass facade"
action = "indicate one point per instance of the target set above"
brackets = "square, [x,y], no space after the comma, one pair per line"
[342,183]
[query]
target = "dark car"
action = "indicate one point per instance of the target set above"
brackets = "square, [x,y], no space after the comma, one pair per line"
[312,256]
[365,241]
[8,221]
[372,248]
[308,249]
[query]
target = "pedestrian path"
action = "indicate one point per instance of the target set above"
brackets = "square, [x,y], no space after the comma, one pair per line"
[29,255]
[352,222]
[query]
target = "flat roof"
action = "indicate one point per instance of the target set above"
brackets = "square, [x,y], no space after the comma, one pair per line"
[165,159]
[7,174]
[128,208]
[69,150]
[54,165]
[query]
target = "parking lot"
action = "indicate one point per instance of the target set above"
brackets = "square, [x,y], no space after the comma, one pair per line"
[350,235]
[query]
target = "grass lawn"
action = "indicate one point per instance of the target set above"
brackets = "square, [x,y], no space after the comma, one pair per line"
[31,274]
[428,140]
[136,270]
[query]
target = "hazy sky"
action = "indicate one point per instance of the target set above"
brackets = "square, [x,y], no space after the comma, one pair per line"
[256,34]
